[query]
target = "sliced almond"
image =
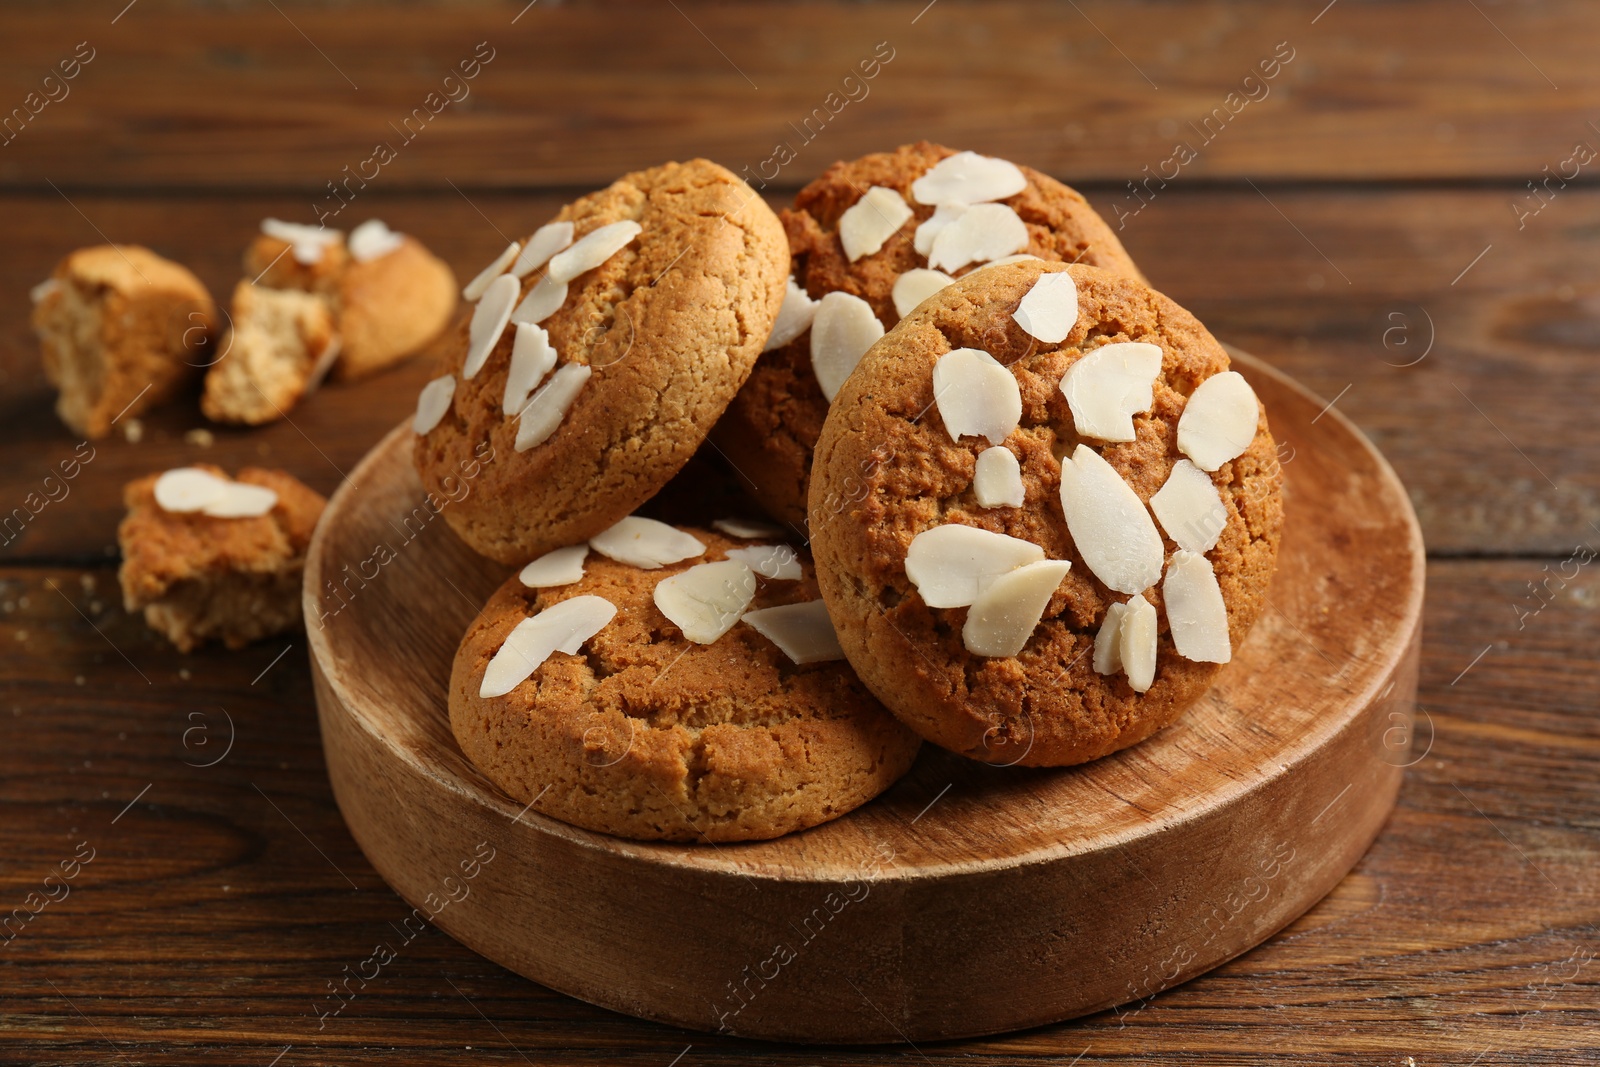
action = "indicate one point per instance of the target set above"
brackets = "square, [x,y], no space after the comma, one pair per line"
[532,357]
[746,529]
[546,241]
[1008,611]
[308,242]
[942,216]
[1195,609]
[546,408]
[1050,309]
[563,566]
[983,232]
[372,240]
[794,317]
[1105,388]
[872,220]
[842,331]
[1108,641]
[241,500]
[562,627]
[646,543]
[916,285]
[997,482]
[803,631]
[43,289]
[952,564]
[706,600]
[1110,525]
[976,395]
[188,489]
[497,266]
[1137,644]
[776,562]
[968,178]
[594,249]
[489,320]
[542,301]
[1189,508]
[432,403]
[1219,421]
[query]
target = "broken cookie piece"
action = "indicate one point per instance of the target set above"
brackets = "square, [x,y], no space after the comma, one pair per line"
[281,344]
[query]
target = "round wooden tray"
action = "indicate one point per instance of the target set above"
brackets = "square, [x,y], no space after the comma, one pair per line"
[968,899]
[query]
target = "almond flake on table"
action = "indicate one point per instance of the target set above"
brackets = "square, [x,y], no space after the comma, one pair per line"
[562,627]
[1189,508]
[1107,387]
[842,331]
[542,301]
[942,216]
[747,529]
[592,250]
[1219,421]
[532,357]
[1137,644]
[646,543]
[308,242]
[997,481]
[803,631]
[1111,527]
[1050,309]
[983,232]
[432,403]
[545,410]
[794,316]
[546,241]
[187,490]
[561,566]
[372,240]
[872,220]
[1007,612]
[775,562]
[480,283]
[976,395]
[916,285]
[1196,612]
[707,600]
[1108,641]
[968,178]
[951,565]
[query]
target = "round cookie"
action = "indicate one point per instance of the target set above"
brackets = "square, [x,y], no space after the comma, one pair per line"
[888,470]
[668,327]
[771,427]
[647,735]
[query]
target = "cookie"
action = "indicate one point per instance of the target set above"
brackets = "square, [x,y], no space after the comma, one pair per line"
[997,615]
[206,557]
[771,428]
[641,732]
[640,309]
[121,329]
[277,349]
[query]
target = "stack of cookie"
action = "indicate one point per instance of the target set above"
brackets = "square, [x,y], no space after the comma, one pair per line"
[1026,510]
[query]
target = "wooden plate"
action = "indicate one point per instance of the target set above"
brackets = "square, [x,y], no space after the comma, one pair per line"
[968,899]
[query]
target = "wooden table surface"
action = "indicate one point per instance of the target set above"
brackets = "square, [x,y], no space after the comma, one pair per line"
[1404,217]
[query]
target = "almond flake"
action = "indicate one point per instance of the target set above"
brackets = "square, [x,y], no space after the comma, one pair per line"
[542,301]
[706,600]
[1110,525]
[562,627]
[976,395]
[563,566]
[480,283]
[489,320]
[1105,388]
[1195,609]
[1137,644]
[794,317]
[594,249]
[997,483]
[546,241]
[43,289]
[1219,421]
[915,286]
[646,543]
[952,564]
[776,562]
[803,631]
[308,242]
[1189,508]
[942,216]
[241,500]
[1050,309]
[745,529]
[841,333]
[432,403]
[1108,642]
[1007,612]
[872,220]
[532,357]
[968,178]
[983,232]
[372,240]
[187,490]
[550,405]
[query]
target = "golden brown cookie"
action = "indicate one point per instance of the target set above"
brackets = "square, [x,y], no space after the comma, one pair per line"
[889,473]
[121,329]
[275,351]
[629,366]
[646,734]
[771,428]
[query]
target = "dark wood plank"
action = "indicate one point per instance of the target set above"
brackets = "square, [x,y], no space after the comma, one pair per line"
[218,907]
[288,95]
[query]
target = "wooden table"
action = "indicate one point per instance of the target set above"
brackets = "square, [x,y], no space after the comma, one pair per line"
[1363,219]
